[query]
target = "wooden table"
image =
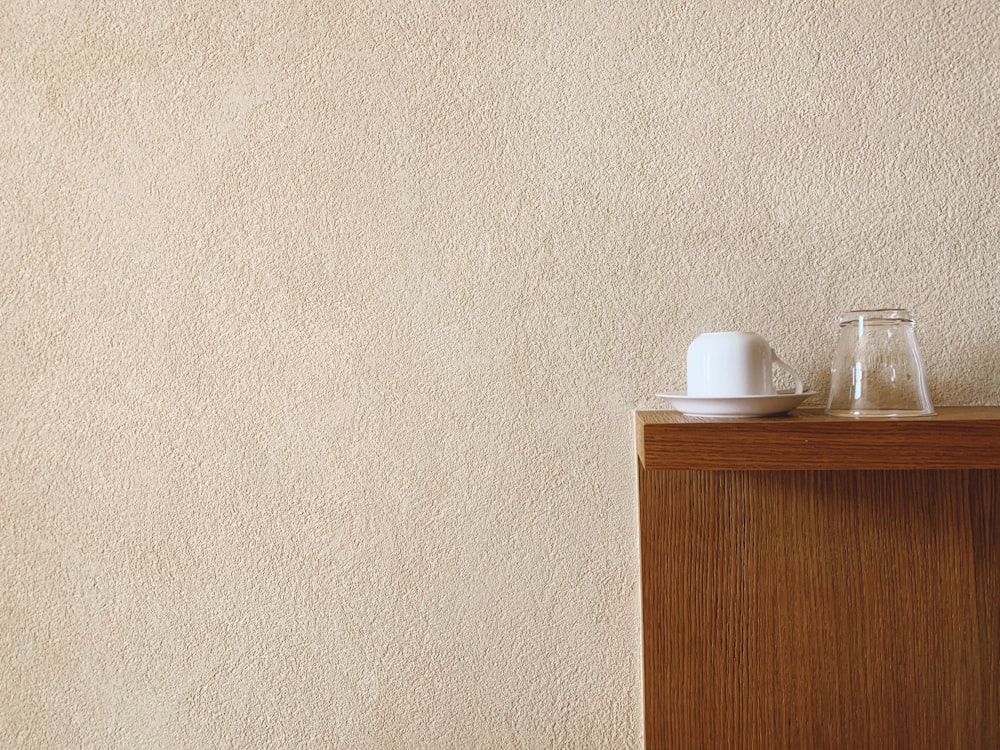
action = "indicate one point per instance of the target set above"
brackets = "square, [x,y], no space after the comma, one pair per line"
[818,582]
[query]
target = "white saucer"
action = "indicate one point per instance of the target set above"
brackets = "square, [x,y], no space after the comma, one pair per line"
[735,406]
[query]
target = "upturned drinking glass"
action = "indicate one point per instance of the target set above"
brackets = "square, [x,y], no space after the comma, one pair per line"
[877,370]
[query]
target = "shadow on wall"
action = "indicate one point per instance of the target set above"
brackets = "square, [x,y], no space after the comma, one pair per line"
[966,388]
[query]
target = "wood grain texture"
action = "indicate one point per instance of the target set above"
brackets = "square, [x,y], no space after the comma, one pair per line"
[821,609]
[956,438]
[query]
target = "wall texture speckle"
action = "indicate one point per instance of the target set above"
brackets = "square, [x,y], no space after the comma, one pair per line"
[322,324]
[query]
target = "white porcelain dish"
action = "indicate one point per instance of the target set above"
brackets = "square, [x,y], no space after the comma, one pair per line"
[735,407]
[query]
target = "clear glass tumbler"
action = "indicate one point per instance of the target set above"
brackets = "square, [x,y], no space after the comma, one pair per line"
[877,370]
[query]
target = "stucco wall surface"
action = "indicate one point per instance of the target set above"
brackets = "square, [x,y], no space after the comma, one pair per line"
[322,324]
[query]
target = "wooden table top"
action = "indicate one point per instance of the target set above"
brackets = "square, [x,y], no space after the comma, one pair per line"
[957,437]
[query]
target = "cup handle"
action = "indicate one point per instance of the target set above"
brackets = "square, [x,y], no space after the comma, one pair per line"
[789,370]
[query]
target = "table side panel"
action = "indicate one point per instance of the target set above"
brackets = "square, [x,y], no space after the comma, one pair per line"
[821,608]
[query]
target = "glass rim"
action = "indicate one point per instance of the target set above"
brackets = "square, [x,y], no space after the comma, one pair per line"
[887,314]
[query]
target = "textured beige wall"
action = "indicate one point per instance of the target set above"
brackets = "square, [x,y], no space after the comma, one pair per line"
[322,325]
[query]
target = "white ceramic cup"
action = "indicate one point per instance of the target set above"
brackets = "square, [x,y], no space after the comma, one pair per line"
[728,364]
